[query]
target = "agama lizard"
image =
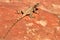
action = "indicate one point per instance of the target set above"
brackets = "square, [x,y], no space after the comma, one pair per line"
[27,12]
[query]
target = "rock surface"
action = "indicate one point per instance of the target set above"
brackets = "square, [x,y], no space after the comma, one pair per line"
[44,26]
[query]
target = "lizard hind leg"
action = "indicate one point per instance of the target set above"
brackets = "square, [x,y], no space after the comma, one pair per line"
[22,12]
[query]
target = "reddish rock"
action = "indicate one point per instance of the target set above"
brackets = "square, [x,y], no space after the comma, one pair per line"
[44,25]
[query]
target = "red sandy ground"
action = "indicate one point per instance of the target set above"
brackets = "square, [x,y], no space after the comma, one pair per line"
[28,28]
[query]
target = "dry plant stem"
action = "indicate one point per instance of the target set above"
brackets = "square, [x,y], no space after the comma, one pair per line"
[29,11]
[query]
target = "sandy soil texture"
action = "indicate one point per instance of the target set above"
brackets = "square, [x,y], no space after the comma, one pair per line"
[44,26]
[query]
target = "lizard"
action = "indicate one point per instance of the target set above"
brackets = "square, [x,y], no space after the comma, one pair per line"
[29,12]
